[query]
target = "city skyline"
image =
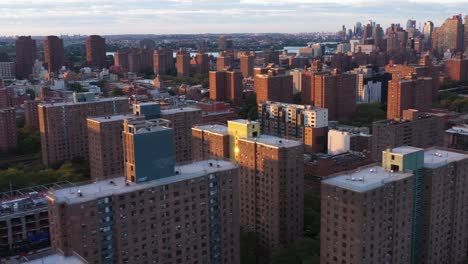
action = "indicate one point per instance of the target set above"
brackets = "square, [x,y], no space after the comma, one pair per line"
[203,16]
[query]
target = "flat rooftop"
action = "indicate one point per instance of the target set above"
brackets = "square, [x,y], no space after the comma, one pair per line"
[435,158]
[462,130]
[119,185]
[148,103]
[98,100]
[149,129]
[111,118]
[56,258]
[405,150]
[215,129]
[178,110]
[243,121]
[367,179]
[297,106]
[273,141]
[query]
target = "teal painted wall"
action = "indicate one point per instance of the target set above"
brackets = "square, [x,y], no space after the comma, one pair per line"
[154,155]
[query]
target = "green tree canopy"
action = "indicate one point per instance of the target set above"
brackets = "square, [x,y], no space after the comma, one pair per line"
[117,92]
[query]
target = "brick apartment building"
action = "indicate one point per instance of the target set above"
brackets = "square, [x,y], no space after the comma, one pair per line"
[409,210]
[182,120]
[457,68]
[159,213]
[272,84]
[183,63]
[298,122]
[54,54]
[408,93]
[247,60]
[8,131]
[96,51]
[332,90]
[31,114]
[415,129]
[64,135]
[225,85]
[271,189]
[210,142]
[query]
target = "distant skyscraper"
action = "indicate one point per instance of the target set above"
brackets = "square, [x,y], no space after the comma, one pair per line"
[449,36]
[358,29]
[377,35]
[226,85]
[54,54]
[465,44]
[148,44]
[427,32]
[397,38]
[367,31]
[411,25]
[247,60]
[25,56]
[183,63]
[96,51]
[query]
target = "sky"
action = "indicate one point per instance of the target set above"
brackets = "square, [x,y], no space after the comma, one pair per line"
[107,17]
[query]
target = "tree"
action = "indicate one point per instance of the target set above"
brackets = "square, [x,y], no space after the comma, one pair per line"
[31,93]
[366,114]
[297,98]
[251,252]
[101,84]
[250,108]
[117,92]
[76,87]
[31,175]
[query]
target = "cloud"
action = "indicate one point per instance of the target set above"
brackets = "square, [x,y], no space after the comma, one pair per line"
[41,17]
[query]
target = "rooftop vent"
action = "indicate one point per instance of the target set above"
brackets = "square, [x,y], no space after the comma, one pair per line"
[80,194]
